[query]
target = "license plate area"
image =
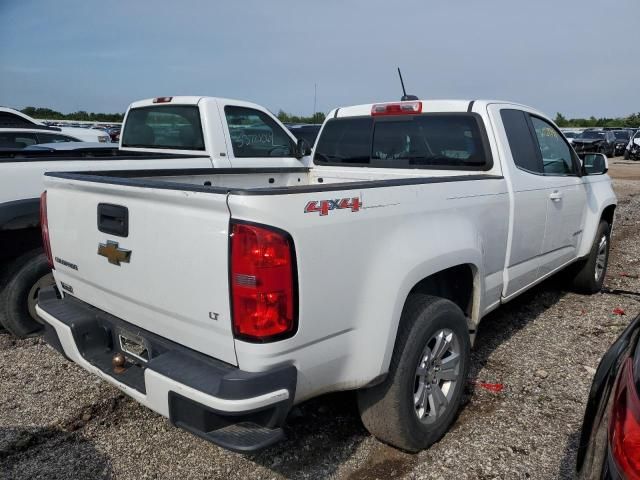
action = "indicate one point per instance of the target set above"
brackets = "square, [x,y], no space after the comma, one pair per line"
[133,345]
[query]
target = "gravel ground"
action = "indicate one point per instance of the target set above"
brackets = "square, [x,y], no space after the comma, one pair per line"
[57,421]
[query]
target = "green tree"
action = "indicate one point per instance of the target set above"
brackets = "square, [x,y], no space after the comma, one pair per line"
[560,120]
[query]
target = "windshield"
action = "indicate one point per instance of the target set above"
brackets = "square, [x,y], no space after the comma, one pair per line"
[570,134]
[408,141]
[592,135]
[164,126]
[621,135]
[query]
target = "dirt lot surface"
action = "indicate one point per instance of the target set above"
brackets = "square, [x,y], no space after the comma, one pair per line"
[57,421]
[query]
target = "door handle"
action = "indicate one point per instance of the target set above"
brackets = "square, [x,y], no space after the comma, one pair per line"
[556,196]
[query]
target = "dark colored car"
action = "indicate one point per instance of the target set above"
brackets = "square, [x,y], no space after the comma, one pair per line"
[633,152]
[114,133]
[595,141]
[609,445]
[307,132]
[622,140]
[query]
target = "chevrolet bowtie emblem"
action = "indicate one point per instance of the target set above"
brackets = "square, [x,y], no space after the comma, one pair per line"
[114,253]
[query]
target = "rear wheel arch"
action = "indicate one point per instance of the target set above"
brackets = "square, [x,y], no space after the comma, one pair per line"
[459,283]
[608,214]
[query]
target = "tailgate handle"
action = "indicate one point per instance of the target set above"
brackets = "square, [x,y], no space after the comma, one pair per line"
[113,219]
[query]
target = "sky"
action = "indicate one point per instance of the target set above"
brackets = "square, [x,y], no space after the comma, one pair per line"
[578,57]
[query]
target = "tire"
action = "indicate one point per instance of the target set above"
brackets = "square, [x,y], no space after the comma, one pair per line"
[626,155]
[389,410]
[587,279]
[22,280]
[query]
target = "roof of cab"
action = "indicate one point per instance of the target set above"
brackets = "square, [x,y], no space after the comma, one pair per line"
[427,106]
[191,100]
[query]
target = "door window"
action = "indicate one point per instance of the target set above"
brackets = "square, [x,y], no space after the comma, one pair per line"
[255,134]
[556,153]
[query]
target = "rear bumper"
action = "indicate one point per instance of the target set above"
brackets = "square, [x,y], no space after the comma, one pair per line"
[242,411]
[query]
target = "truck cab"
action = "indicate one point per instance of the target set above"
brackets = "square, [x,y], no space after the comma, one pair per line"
[233,133]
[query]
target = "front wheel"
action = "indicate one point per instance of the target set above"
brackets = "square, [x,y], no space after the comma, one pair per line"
[590,272]
[422,393]
[24,278]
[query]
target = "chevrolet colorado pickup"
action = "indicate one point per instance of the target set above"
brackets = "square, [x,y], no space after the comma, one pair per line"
[165,133]
[220,299]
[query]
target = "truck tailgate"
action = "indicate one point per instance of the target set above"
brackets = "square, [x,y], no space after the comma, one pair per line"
[175,280]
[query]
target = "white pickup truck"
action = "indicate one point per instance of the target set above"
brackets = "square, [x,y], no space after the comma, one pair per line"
[161,133]
[220,299]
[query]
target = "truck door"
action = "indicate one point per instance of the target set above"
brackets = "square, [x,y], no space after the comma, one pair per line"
[528,195]
[255,139]
[567,196]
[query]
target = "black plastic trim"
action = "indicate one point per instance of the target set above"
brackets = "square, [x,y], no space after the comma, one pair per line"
[95,334]
[20,214]
[95,154]
[254,430]
[128,180]
[113,219]
[470,107]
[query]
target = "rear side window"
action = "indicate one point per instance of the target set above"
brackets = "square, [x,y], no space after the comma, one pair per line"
[345,140]
[523,148]
[255,134]
[17,139]
[439,141]
[168,126]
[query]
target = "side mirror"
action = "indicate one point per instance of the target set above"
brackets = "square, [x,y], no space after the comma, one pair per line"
[594,164]
[302,149]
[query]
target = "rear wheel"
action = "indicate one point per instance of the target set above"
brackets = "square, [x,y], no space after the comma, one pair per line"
[591,272]
[421,396]
[23,280]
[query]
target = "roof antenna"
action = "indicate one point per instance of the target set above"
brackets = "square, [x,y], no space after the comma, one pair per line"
[405,97]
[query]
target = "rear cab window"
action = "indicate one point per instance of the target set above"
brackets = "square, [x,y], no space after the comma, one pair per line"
[429,141]
[175,127]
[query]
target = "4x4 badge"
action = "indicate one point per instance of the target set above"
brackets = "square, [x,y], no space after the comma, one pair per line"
[323,207]
[114,253]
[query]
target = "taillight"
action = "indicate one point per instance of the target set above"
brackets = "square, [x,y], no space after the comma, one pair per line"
[402,108]
[624,429]
[162,99]
[263,283]
[44,226]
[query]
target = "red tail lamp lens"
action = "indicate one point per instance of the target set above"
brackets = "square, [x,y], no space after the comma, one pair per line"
[262,283]
[44,226]
[624,430]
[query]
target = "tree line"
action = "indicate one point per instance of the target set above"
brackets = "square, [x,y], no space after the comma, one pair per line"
[81,115]
[49,114]
[285,117]
[632,120]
